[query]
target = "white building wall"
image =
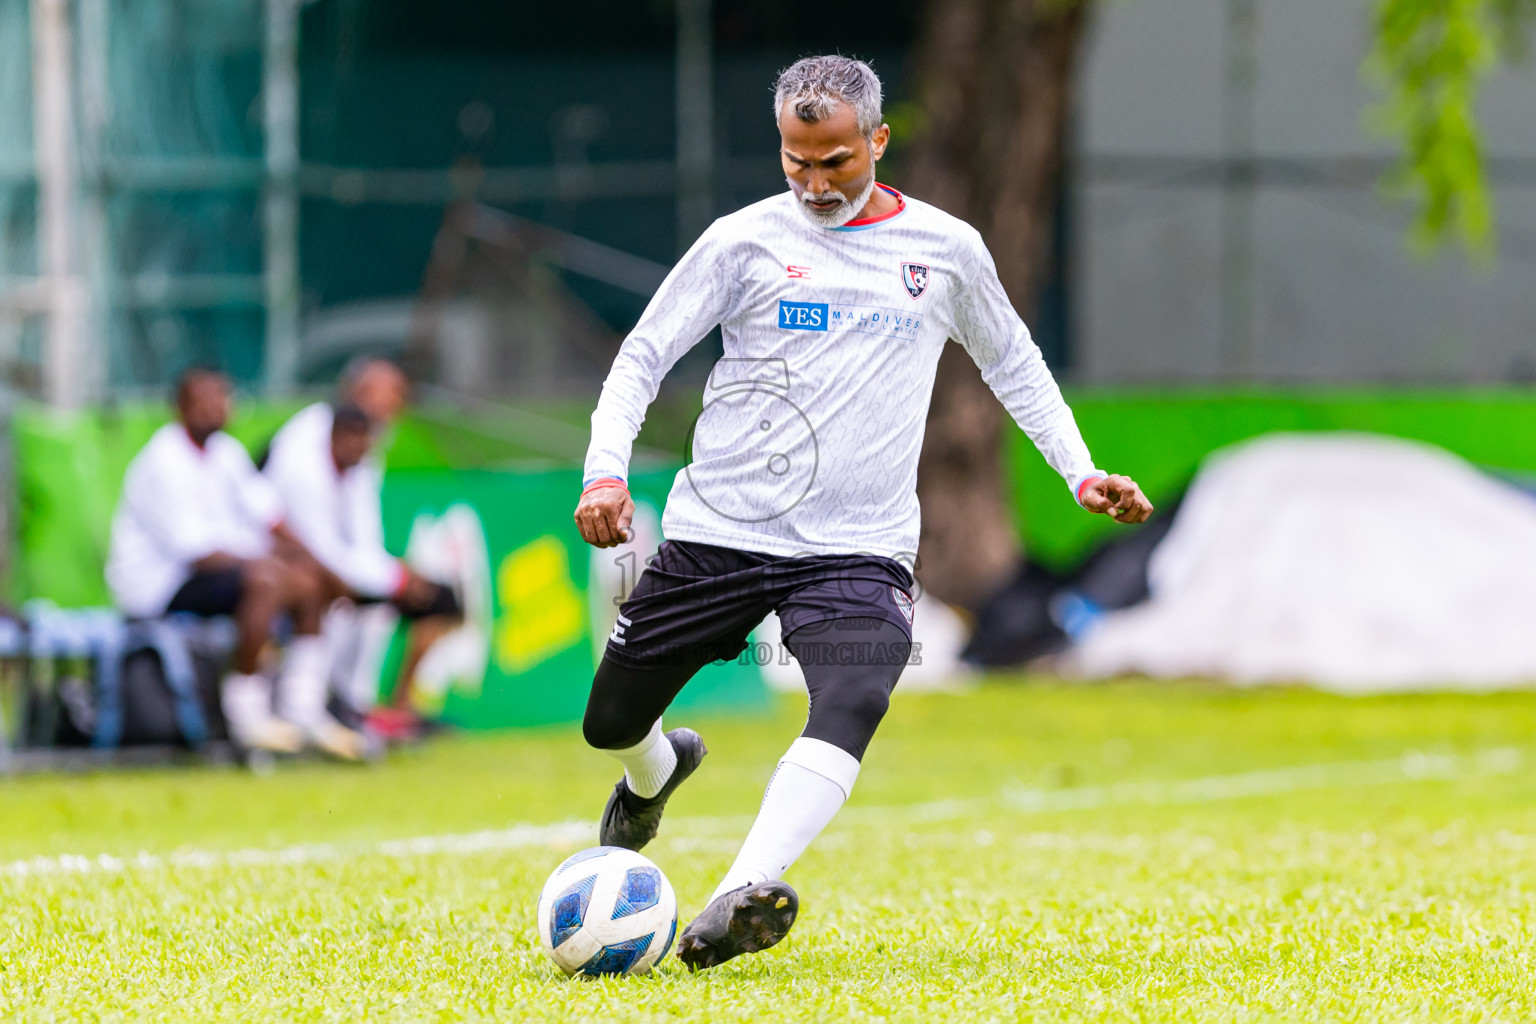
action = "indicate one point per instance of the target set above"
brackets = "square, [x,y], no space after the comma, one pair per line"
[1337,293]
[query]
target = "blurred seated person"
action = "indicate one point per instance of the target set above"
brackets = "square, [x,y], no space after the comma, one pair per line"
[199,530]
[323,464]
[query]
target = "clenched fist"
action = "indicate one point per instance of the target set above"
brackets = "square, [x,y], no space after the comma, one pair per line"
[1117,497]
[604,513]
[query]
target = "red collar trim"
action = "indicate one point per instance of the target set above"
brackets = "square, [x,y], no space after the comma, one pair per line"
[901,204]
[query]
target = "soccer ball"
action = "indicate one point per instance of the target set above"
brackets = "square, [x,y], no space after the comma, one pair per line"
[607,910]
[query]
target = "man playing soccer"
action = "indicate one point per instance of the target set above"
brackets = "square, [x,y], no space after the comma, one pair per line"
[835,300]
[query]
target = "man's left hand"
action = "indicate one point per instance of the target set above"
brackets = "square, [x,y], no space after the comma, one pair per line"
[1117,497]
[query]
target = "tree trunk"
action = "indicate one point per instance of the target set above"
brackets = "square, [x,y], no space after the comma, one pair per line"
[995,82]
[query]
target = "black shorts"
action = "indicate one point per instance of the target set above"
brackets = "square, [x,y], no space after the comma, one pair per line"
[209,594]
[696,603]
[442,602]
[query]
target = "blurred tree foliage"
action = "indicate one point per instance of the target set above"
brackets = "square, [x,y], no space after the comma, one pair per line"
[1430,58]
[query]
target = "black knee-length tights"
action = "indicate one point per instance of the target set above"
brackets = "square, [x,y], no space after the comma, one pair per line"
[850,665]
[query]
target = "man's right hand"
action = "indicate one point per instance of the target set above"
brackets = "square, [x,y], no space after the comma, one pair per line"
[418,591]
[604,513]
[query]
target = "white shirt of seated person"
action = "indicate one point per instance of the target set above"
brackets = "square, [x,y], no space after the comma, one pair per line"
[181,503]
[336,514]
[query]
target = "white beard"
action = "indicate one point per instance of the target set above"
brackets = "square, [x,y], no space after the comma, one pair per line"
[838,215]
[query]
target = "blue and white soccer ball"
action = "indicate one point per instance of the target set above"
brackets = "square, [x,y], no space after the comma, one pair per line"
[607,910]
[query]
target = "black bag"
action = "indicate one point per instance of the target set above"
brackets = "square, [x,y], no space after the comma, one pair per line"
[154,715]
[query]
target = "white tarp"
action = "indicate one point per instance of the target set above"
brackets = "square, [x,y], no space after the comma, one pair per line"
[1353,562]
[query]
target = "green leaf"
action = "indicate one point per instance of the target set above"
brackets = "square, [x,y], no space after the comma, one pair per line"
[1429,61]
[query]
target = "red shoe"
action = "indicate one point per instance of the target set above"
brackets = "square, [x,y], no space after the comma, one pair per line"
[394,724]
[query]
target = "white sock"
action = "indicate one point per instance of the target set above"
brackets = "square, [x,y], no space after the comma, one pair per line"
[247,702]
[648,764]
[375,626]
[339,628]
[305,683]
[358,638]
[813,780]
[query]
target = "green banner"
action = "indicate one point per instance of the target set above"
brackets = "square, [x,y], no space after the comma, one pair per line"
[539,602]
[546,600]
[539,621]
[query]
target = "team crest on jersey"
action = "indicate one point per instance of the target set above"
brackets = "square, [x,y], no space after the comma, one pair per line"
[915,277]
[903,602]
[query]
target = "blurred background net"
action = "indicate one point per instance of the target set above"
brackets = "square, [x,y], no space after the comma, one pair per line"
[492,191]
[261,185]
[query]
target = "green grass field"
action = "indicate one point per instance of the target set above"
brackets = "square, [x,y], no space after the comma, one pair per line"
[1022,852]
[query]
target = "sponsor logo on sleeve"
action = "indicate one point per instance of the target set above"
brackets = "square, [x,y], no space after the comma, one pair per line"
[798,272]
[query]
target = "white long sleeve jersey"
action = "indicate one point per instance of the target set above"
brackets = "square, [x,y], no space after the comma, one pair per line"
[813,419]
[181,503]
[336,515]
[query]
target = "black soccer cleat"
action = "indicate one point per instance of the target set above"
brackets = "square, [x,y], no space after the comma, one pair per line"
[631,821]
[745,920]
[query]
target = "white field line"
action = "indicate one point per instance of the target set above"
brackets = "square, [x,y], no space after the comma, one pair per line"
[307,853]
[1413,766]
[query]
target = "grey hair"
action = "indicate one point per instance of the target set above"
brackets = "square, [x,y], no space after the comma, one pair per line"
[815,85]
